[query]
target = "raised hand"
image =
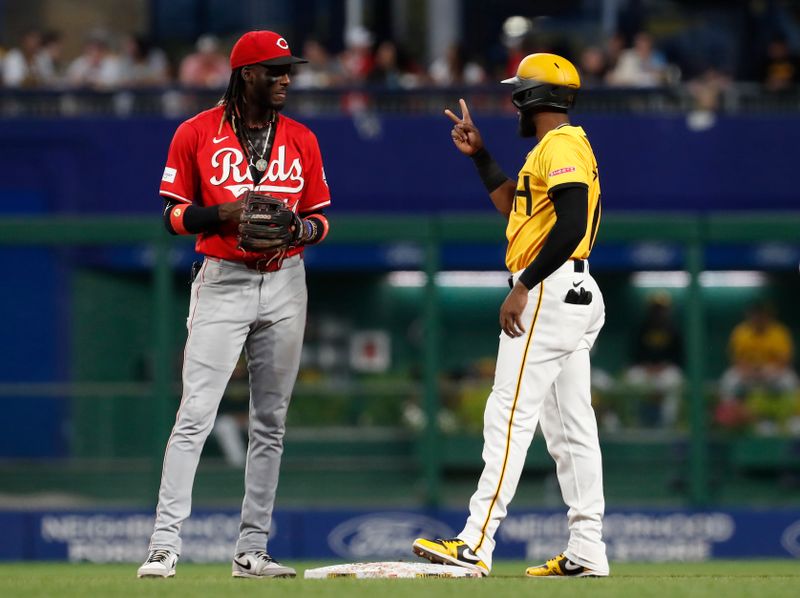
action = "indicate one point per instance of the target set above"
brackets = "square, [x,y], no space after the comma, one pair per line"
[465,134]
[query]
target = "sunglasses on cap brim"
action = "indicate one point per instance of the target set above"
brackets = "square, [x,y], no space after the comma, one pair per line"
[283,61]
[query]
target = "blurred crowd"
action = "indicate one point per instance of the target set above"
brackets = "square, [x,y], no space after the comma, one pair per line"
[111,62]
[758,390]
[632,58]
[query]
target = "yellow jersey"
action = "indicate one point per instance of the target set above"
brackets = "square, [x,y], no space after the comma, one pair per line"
[563,158]
[771,346]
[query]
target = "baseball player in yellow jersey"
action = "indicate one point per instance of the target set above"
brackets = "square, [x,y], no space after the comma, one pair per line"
[550,320]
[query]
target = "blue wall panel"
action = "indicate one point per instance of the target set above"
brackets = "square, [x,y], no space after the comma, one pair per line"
[397,163]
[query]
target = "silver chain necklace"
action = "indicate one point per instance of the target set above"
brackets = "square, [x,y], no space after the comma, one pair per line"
[260,164]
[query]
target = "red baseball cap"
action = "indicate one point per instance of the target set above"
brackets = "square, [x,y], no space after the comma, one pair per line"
[262,47]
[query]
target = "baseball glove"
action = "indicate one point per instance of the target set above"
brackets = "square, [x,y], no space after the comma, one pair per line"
[267,224]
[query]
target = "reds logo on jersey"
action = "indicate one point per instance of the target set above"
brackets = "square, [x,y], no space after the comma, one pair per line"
[231,167]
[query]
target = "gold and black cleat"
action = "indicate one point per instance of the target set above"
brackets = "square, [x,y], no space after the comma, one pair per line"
[450,552]
[560,567]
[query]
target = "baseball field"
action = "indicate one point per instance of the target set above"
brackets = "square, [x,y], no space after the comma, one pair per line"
[731,579]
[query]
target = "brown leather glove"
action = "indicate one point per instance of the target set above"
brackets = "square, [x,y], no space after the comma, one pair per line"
[267,224]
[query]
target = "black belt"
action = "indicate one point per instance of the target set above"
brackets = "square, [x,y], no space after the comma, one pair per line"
[579,265]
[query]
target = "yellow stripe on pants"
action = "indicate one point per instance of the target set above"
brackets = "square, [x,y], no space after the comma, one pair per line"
[511,417]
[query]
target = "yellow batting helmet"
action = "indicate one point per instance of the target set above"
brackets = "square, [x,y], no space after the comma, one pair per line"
[544,80]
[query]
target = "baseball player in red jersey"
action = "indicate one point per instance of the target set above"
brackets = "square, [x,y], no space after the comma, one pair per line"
[549,322]
[255,300]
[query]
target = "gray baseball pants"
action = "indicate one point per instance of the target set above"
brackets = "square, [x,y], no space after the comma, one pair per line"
[233,307]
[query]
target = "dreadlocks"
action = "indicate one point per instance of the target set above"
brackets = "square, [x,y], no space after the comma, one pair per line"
[232,100]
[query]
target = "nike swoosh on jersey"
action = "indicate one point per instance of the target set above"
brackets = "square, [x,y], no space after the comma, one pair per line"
[220,140]
[575,285]
[243,565]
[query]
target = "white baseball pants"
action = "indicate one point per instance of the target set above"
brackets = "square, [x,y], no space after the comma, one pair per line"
[542,378]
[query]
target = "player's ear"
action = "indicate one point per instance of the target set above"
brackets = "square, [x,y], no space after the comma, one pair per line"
[247,74]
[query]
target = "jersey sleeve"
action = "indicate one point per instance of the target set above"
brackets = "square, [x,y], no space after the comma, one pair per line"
[564,163]
[316,194]
[180,178]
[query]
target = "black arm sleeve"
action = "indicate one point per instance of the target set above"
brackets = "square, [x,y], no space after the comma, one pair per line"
[571,205]
[490,172]
[196,219]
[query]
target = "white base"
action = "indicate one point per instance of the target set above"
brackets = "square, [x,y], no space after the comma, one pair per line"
[389,570]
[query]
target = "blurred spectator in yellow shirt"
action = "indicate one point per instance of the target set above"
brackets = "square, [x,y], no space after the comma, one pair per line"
[760,385]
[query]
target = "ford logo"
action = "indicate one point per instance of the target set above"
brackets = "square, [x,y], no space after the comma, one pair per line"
[383,535]
[791,539]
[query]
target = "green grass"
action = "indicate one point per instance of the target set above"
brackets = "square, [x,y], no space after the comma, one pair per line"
[718,579]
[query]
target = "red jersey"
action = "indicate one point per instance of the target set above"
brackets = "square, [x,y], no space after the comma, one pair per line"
[207,166]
